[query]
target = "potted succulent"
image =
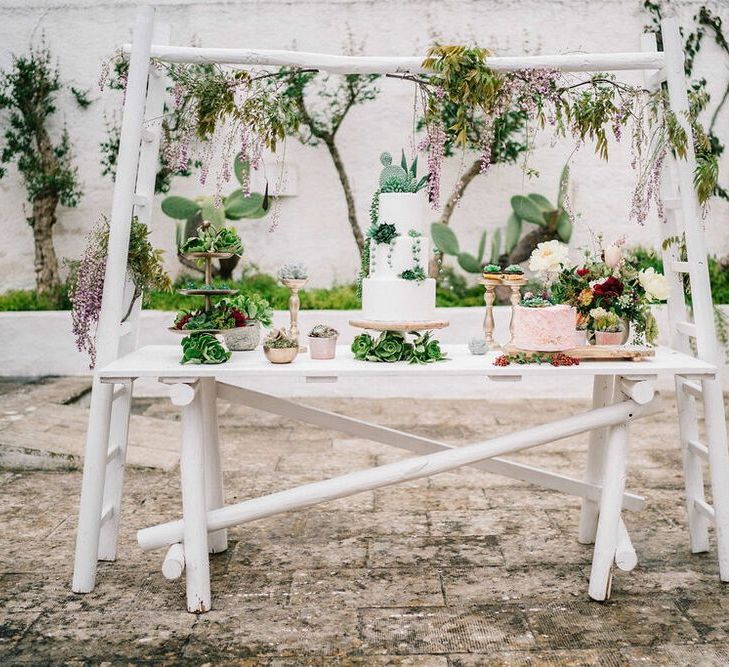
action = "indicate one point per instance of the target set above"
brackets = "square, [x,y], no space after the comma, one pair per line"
[279,347]
[252,312]
[323,342]
[581,329]
[607,327]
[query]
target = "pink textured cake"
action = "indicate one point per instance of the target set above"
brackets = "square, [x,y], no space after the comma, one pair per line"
[546,329]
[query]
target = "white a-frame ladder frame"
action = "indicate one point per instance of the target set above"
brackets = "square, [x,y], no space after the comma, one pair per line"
[133,195]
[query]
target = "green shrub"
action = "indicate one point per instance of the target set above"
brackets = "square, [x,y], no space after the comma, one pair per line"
[15,300]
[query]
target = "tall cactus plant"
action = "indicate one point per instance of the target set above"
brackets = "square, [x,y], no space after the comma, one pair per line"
[446,241]
[553,222]
[236,206]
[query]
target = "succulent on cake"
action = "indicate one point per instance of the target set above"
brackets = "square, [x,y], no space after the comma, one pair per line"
[491,270]
[535,301]
[402,178]
[383,233]
[323,331]
[417,273]
[513,272]
[293,271]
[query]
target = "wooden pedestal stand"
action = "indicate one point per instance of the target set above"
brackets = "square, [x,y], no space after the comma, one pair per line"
[294,284]
[489,298]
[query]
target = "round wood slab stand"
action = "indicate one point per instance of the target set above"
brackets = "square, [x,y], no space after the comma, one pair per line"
[379,325]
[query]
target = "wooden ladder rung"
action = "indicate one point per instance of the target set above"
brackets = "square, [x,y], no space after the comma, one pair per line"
[699,449]
[687,328]
[681,267]
[703,508]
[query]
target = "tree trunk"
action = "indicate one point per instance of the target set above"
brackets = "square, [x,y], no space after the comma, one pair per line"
[46,263]
[344,180]
[525,247]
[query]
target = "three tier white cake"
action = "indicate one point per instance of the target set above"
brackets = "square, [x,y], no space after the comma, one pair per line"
[397,288]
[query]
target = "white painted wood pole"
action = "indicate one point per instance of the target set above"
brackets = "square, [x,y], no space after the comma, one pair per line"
[107,339]
[194,533]
[641,391]
[174,563]
[417,444]
[715,420]
[606,538]
[217,541]
[625,557]
[574,62]
[602,390]
[162,535]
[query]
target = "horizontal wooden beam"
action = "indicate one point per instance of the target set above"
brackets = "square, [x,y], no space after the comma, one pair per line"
[571,62]
[417,444]
[417,467]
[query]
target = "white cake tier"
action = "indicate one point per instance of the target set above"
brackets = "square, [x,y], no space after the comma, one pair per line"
[402,209]
[397,300]
[389,260]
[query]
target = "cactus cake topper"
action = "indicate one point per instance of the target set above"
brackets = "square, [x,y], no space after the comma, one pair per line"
[402,177]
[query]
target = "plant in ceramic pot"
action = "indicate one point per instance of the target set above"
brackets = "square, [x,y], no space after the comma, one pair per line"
[581,330]
[323,342]
[607,327]
[251,312]
[279,347]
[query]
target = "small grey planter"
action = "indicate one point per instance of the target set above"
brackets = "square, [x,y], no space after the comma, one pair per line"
[243,339]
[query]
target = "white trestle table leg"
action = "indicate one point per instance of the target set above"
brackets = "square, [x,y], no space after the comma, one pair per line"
[602,391]
[415,468]
[192,472]
[217,541]
[608,525]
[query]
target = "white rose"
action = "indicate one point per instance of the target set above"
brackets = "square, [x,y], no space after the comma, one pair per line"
[654,284]
[613,256]
[549,257]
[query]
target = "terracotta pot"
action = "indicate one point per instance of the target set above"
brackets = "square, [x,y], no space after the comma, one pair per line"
[580,337]
[280,355]
[322,348]
[242,339]
[610,337]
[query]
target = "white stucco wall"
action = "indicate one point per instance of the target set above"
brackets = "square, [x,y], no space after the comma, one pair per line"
[313,224]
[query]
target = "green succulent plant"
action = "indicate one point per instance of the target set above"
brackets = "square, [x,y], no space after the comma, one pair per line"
[236,206]
[402,178]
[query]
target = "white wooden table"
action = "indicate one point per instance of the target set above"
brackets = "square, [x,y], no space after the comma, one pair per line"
[623,391]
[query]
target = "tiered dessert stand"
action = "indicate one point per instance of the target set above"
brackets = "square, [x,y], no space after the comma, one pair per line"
[490,297]
[207,292]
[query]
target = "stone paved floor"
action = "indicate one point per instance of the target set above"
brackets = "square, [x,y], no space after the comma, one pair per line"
[460,569]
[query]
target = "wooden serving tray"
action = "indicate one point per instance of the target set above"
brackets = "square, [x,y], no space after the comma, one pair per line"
[596,352]
[378,325]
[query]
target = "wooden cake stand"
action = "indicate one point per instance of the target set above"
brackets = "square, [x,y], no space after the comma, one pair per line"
[596,352]
[379,325]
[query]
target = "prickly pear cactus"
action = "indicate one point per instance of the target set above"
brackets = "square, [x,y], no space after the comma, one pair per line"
[391,171]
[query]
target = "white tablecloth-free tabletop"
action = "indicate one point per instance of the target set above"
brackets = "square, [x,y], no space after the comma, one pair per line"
[164,361]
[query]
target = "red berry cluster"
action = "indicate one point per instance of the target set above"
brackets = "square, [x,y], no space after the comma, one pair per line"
[503,360]
[560,359]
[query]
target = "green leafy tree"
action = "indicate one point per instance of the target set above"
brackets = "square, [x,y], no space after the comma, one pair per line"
[28,93]
[323,103]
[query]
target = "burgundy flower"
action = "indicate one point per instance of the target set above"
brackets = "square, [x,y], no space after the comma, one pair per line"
[582,272]
[240,318]
[182,321]
[612,288]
